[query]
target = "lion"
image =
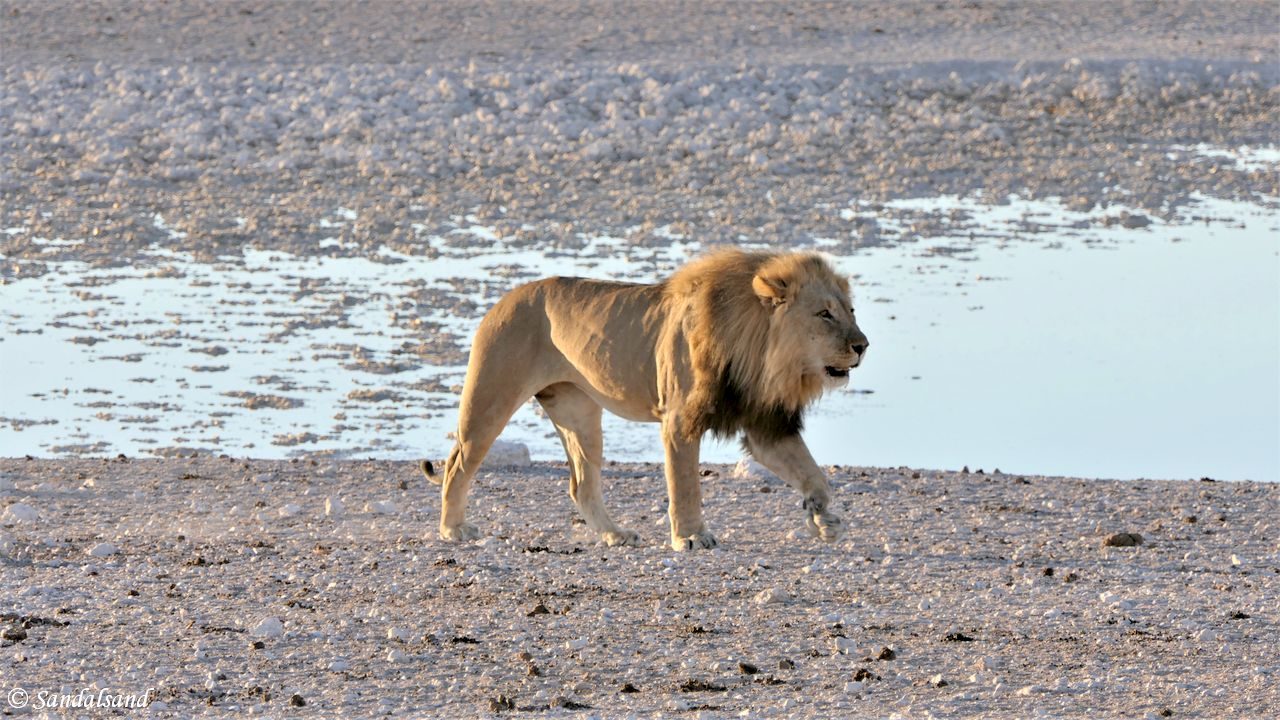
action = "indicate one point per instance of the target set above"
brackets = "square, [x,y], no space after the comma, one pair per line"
[734,342]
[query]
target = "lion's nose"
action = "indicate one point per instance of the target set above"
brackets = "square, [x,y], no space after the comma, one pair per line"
[859,346]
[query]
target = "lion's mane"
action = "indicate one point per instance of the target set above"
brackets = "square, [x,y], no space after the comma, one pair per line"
[748,365]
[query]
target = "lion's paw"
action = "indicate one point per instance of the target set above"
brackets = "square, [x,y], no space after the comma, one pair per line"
[621,536]
[826,526]
[698,541]
[459,532]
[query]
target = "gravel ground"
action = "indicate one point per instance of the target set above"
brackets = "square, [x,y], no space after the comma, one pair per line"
[246,123]
[954,594]
[319,588]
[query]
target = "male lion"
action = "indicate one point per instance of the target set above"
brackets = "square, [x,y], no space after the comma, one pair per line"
[734,341]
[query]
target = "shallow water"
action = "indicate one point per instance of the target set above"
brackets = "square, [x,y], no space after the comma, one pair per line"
[1021,337]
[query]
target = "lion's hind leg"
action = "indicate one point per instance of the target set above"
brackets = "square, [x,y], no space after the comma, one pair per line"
[577,419]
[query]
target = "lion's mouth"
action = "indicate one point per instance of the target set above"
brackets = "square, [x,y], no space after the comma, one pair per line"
[836,372]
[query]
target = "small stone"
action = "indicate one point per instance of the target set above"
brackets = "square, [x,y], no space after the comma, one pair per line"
[103,550]
[1123,540]
[289,510]
[339,665]
[747,668]
[863,675]
[14,634]
[396,655]
[629,688]
[772,595]
[577,643]
[334,507]
[937,681]
[19,512]
[381,507]
[501,703]
[786,664]
[296,700]
[957,637]
[258,644]
[886,653]
[269,627]
[538,609]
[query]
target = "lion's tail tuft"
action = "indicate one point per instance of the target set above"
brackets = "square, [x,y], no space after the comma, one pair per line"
[430,471]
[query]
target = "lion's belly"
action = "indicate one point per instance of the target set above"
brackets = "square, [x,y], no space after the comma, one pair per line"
[607,332]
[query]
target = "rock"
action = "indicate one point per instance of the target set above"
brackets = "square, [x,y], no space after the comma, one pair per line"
[501,703]
[339,664]
[334,507]
[577,643]
[19,513]
[1134,220]
[937,681]
[296,700]
[957,637]
[886,653]
[396,655]
[629,688]
[863,675]
[381,507]
[289,510]
[505,453]
[786,664]
[772,595]
[13,634]
[268,627]
[748,469]
[1123,540]
[103,549]
[747,668]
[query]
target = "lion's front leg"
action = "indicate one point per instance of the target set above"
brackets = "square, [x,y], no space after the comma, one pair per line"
[684,492]
[788,457]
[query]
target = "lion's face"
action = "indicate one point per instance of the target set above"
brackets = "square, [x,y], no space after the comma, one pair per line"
[813,324]
[835,344]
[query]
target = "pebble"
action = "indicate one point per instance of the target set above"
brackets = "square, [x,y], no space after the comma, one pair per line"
[334,507]
[289,510]
[103,549]
[339,664]
[772,595]
[1123,540]
[381,507]
[19,513]
[268,627]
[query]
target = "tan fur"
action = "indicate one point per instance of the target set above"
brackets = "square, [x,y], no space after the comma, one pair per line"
[733,342]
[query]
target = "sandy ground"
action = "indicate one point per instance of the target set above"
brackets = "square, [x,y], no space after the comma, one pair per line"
[954,594]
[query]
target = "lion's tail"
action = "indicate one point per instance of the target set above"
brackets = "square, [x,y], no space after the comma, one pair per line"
[429,469]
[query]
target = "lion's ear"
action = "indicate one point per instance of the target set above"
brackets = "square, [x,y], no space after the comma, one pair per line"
[772,290]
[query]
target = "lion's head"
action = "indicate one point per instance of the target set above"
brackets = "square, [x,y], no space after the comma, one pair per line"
[767,333]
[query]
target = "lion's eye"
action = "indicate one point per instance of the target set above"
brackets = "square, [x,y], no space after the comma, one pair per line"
[826,315]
